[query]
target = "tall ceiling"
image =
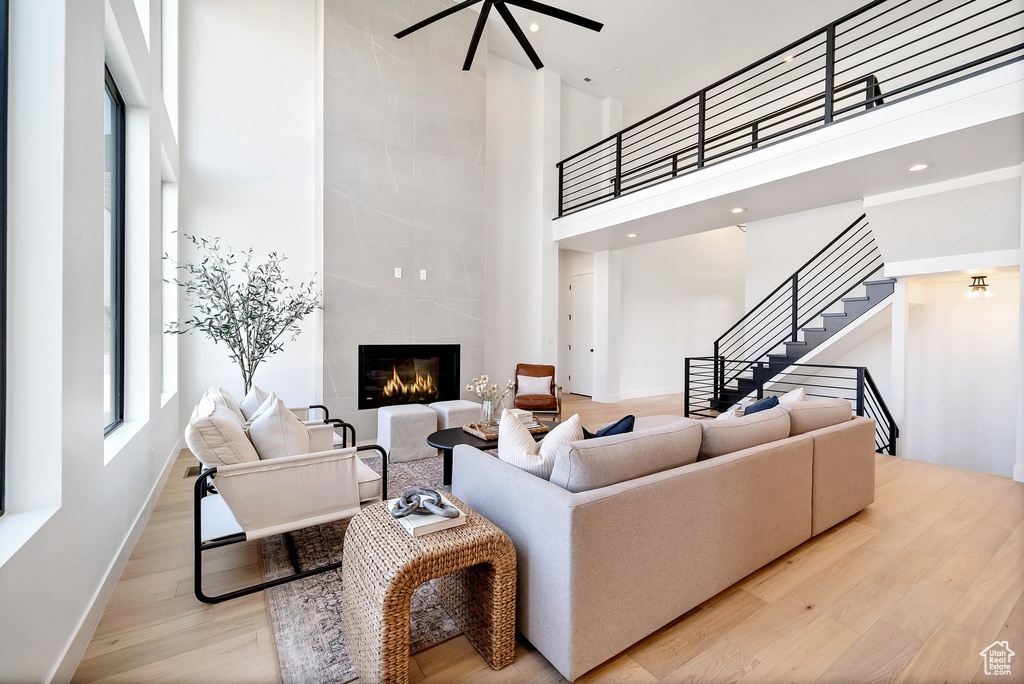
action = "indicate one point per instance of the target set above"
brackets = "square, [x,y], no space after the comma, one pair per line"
[665,49]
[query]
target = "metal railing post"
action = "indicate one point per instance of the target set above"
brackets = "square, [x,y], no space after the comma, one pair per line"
[860,391]
[892,438]
[796,300]
[686,389]
[759,379]
[561,187]
[618,164]
[717,394]
[830,71]
[701,116]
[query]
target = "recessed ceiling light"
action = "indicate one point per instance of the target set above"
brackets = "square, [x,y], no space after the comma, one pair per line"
[535,27]
[787,58]
[918,167]
[587,79]
[616,68]
[631,235]
[737,210]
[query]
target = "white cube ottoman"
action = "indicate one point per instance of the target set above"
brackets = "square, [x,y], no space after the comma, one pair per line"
[403,431]
[453,414]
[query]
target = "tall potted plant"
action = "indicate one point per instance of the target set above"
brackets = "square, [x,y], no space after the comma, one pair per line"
[248,306]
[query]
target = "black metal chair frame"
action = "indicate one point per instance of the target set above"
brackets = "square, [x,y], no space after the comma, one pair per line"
[204,486]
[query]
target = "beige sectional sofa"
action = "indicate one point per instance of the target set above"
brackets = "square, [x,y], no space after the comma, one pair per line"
[634,530]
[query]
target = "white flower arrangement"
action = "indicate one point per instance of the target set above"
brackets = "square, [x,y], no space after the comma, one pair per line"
[483,388]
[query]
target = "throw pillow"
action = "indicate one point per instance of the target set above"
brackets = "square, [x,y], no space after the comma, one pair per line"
[517,447]
[619,427]
[215,436]
[761,405]
[531,385]
[731,413]
[252,402]
[229,401]
[793,396]
[267,403]
[278,432]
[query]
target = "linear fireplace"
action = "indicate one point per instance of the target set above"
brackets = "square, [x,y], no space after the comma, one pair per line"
[392,374]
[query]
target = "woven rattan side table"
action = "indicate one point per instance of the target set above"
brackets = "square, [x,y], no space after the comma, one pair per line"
[475,565]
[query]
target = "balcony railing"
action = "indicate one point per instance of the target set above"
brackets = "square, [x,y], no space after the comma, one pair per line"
[882,53]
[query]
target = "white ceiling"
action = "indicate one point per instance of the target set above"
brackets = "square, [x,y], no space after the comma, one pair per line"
[667,49]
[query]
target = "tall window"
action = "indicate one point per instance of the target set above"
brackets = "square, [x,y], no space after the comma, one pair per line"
[113,256]
[3,246]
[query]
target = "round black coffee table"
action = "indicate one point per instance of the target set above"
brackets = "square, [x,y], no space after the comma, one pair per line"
[447,440]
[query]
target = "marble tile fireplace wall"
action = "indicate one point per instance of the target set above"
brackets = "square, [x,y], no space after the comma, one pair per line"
[404,187]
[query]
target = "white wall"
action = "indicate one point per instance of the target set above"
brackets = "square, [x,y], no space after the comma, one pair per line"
[777,247]
[582,121]
[248,103]
[678,296]
[77,500]
[962,375]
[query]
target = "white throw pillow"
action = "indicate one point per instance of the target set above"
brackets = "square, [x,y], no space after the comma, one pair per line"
[532,385]
[793,396]
[252,402]
[215,436]
[229,401]
[278,432]
[265,406]
[731,413]
[517,447]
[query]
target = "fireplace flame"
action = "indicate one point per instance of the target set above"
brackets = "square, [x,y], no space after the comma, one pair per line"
[423,385]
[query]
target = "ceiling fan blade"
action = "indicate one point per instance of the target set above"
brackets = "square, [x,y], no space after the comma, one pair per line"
[481,23]
[518,33]
[440,15]
[541,8]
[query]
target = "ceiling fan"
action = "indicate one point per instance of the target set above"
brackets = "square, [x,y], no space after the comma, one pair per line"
[501,7]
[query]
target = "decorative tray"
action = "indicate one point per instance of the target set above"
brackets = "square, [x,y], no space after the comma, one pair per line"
[490,432]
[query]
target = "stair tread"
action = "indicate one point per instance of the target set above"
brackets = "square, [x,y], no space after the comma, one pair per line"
[778,356]
[856,299]
[813,329]
[883,281]
[834,315]
[800,342]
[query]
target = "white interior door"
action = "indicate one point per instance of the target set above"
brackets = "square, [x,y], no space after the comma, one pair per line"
[581,351]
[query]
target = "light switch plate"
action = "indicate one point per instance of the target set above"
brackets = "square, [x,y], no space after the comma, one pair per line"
[423,274]
[398,273]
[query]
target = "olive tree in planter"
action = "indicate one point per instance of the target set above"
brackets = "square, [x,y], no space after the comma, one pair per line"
[250,307]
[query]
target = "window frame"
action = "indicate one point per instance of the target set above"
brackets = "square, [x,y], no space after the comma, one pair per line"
[117,246]
[4,59]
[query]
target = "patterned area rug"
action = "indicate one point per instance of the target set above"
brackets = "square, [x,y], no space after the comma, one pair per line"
[306,615]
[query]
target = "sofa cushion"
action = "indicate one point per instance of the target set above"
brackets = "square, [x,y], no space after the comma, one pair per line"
[726,436]
[595,463]
[251,402]
[215,436]
[517,446]
[221,394]
[536,402]
[793,396]
[531,385]
[620,427]
[807,416]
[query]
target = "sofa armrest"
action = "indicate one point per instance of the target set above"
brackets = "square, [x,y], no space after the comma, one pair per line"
[844,471]
[283,494]
[321,437]
[536,514]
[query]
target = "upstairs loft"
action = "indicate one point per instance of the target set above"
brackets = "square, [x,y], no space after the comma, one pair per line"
[835,116]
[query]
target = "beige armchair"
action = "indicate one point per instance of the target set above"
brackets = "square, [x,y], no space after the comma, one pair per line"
[240,497]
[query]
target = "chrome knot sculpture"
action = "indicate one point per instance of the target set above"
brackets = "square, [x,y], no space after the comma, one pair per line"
[423,502]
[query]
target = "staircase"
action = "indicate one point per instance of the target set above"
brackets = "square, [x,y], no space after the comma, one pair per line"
[763,352]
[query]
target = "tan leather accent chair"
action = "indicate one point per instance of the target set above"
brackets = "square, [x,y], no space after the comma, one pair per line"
[550,403]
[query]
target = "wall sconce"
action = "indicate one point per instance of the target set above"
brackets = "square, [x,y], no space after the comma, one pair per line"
[979,288]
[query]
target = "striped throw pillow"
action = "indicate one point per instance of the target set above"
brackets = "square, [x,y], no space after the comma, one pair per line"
[517,447]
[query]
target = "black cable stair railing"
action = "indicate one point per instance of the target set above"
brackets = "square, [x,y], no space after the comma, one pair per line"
[820,381]
[906,47]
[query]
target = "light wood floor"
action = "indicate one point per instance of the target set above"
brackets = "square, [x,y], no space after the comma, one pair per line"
[910,589]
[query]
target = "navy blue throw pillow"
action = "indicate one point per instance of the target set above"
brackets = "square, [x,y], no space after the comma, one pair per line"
[761,405]
[620,427]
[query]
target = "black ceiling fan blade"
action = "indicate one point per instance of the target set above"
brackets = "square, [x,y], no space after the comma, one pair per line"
[481,23]
[513,26]
[541,8]
[437,17]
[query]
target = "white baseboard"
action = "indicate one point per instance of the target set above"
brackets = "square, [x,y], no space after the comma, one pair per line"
[656,392]
[75,649]
[1018,473]
[606,398]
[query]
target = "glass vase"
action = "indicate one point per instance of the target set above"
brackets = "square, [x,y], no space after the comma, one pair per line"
[489,412]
